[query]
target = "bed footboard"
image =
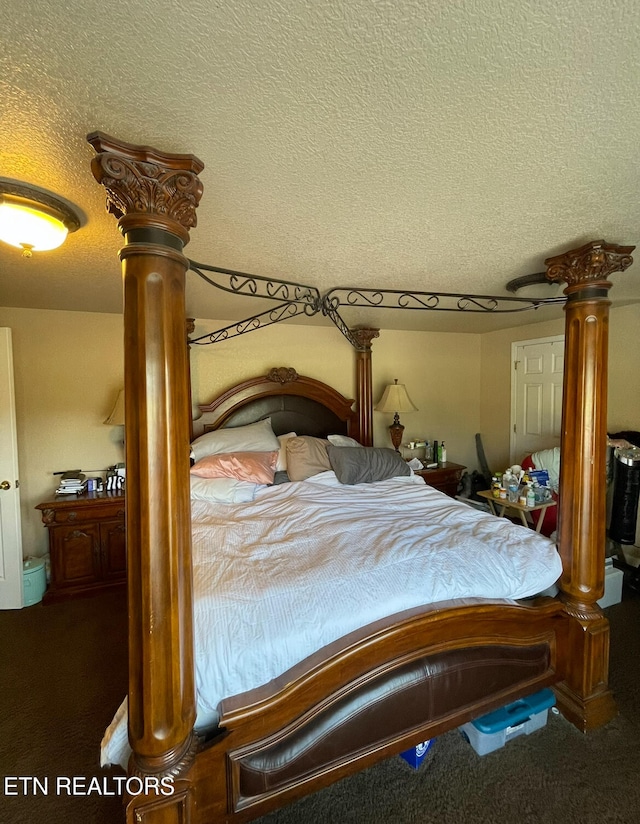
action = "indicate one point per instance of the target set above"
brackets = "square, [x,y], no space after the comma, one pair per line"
[379,712]
[368,696]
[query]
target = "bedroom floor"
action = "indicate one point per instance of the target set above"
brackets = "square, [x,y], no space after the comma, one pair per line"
[64,673]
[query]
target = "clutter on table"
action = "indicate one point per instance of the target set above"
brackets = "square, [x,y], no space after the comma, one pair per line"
[516,485]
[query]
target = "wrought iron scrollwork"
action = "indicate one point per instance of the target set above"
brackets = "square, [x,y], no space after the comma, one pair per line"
[299,299]
[241,283]
[284,311]
[330,310]
[438,301]
[296,299]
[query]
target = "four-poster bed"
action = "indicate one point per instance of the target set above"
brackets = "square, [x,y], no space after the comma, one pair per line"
[457,659]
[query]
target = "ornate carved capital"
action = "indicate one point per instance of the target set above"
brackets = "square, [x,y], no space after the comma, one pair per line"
[282,374]
[590,265]
[143,181]
[364,335]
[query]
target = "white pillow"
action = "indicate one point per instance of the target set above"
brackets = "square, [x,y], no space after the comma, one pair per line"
[281,466]
[222,490]
[255,437]
[342,440]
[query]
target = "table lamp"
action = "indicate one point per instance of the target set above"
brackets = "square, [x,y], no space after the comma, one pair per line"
[395,399]
[116,417]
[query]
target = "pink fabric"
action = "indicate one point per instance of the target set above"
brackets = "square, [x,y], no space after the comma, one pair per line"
[258,467]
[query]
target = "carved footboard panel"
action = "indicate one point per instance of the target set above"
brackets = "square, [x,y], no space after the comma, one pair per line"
[382,710]
[370,695]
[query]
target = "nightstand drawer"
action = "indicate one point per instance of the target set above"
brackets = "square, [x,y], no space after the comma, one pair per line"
[445,477]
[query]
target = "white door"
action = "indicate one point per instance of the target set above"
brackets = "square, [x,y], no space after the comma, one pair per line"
[10,531]
[536,412]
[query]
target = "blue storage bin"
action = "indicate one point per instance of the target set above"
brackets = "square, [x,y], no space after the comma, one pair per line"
[521,717]
[34,581]
[416,755]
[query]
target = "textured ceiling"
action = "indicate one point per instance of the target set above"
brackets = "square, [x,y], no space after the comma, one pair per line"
[447,146]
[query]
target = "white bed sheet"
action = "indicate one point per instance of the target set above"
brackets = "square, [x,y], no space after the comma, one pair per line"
[308,562]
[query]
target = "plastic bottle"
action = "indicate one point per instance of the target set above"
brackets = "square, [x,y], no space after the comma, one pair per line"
[443,453]
[531,495]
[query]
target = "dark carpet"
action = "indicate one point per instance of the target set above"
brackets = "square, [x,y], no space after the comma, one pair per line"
[64,673]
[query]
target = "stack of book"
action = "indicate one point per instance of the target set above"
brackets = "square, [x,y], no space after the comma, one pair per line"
[70,483]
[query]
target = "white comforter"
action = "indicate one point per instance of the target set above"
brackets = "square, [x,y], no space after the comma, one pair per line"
[307,562]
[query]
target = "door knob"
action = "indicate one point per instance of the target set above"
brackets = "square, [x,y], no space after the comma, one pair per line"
[5,485]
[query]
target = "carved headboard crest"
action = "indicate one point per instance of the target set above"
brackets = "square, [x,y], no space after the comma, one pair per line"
[282,374]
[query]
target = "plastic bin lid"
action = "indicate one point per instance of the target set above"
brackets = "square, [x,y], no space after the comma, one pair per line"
[31,564]
[516,712]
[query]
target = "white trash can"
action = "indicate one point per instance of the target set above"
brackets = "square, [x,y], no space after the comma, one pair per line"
[34,581]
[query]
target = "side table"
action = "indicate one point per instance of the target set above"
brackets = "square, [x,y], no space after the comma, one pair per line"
[87,543]
[499,506]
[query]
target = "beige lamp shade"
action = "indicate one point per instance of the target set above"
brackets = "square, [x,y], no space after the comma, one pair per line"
[395,399]
[116,418]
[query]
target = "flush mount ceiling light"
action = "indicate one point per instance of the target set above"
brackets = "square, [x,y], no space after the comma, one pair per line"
[33,219]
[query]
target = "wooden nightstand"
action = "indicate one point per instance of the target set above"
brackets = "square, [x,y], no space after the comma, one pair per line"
[445,477]
[87,543]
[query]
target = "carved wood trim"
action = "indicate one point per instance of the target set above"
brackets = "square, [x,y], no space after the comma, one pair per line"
[141,180]
[280,380]
[590,265]
[364,336]
[581,515]
[155,196]
[282,374]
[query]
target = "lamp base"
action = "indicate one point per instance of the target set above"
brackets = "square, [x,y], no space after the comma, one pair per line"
[395,431]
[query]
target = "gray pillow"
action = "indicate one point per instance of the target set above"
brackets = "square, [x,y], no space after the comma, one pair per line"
[365,464]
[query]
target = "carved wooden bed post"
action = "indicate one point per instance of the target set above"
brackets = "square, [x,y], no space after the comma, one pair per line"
[584,696]
[364,392]
[155,197]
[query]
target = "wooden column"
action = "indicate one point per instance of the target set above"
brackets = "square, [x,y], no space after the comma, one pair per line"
[155,197]
[585,697]
[364,391]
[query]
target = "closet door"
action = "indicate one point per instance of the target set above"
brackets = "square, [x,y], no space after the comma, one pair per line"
[536,419]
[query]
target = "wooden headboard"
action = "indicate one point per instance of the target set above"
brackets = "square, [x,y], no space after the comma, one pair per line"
[295,403]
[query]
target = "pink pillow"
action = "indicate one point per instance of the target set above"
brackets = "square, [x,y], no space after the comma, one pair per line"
[257,467]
